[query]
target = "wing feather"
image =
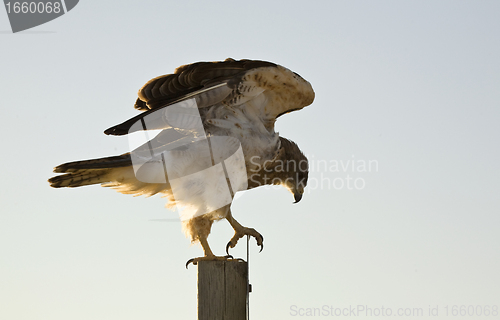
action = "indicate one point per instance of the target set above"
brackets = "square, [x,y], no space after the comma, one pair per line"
[229,82]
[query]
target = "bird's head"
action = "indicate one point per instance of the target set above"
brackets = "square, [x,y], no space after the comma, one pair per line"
[296,169]
[298,184]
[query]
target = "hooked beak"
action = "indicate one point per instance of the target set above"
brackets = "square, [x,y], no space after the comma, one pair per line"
[297,196]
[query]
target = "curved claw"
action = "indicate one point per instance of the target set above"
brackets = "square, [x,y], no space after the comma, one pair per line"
[227,247]
[262,244]
[189,261]
[205,258]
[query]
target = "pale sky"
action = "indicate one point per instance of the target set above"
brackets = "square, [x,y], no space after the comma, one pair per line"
[410,87]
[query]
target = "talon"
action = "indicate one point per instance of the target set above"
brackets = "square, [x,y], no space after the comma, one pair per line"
[262,243]
[209,258]
[189,261]
[227,247]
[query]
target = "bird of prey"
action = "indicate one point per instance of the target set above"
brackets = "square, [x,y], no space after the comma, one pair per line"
[216,137]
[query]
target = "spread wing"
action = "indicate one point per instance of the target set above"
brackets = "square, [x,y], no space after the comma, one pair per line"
[272,89]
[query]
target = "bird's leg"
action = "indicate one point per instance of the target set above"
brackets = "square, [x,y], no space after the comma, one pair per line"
[203,225]
[209,256]
[206,248]
[240,231]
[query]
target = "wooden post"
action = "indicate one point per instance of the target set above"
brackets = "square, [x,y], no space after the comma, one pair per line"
[222,290]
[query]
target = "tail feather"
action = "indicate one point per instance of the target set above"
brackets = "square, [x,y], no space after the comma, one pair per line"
[123,160]
[88,172]
[114,172]
[79,178]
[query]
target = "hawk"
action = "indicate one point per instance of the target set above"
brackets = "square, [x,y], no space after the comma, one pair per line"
[216,137]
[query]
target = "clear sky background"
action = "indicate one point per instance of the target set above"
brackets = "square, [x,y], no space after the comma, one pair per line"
[413,86]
